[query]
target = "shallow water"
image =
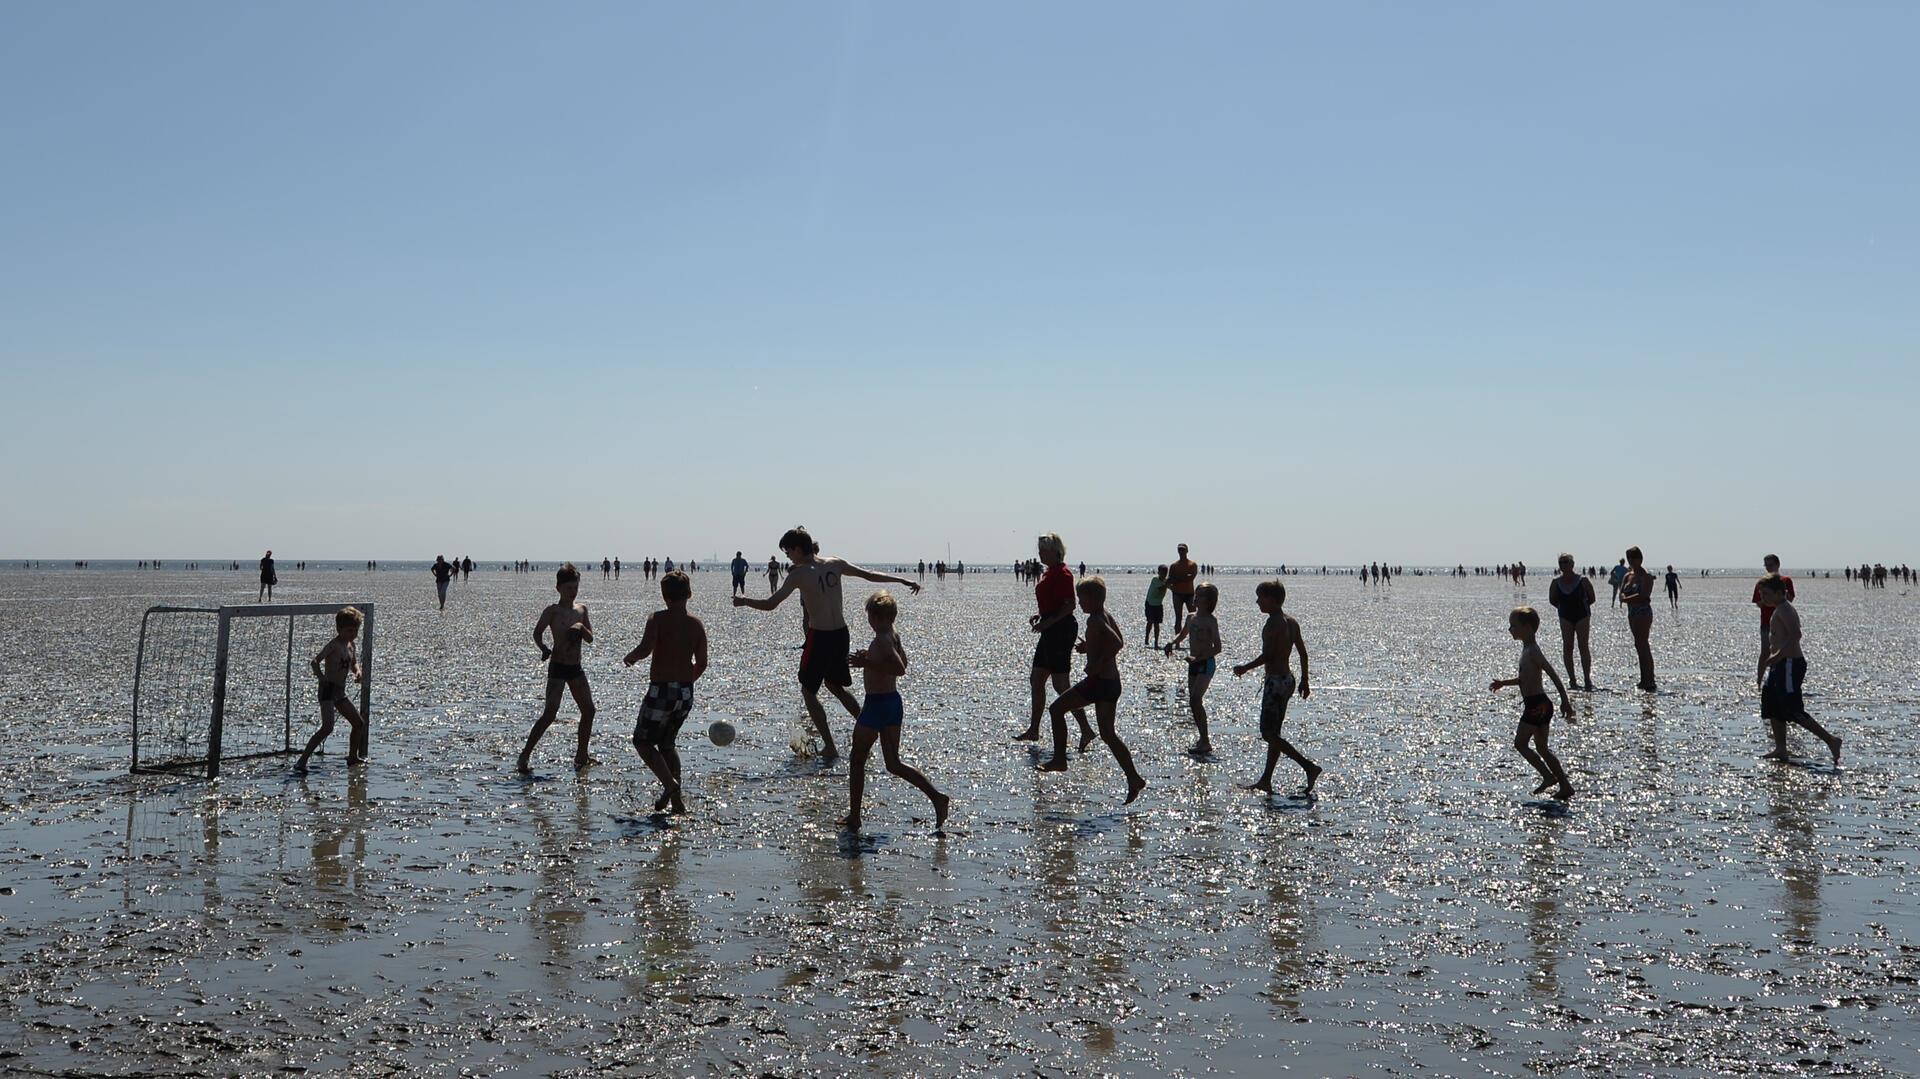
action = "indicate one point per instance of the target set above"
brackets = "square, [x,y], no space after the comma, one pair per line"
[1692,912]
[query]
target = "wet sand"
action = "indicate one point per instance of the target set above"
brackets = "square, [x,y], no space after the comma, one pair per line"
[1692,912]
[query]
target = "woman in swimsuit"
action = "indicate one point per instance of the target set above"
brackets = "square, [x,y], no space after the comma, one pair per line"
[1572,595]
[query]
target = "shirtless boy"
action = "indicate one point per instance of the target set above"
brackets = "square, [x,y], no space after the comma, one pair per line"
[881,664]
[1783,672]
[1100,687]
[1202,634]
[677,641]
[571,627]
[1536,708]
[333,666]
[1279,637]
[817,578]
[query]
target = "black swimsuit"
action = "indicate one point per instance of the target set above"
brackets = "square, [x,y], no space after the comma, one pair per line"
[1573,608]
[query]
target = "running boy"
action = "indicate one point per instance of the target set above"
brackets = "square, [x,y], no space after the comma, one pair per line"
[332,666]
[1279,637]
[1202,634]
[881,663]
[677,641]
[1100,687]
[817,577]
[1156,607]
[1783,672]
[571,627]
[1536,708]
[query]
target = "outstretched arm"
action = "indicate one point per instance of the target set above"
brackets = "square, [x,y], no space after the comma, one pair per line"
[852,570]
[779,596]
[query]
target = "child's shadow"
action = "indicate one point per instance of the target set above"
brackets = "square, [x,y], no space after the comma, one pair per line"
[854,844]
[1297,802]
[1552,808]
[640,827]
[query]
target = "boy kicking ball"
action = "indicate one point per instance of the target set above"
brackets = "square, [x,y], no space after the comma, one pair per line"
[881,663]
[1536,709]
[677,641]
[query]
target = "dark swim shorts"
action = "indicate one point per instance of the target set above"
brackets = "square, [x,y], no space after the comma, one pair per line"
[1155,613]
[1053,653]
[1780,696]
[881,711]
[1536,708]
[332,692]
[564,672]
[1098,690]
[825,659]
[1274,697]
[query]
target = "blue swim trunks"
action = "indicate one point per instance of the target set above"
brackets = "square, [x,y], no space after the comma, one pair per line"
[881,710]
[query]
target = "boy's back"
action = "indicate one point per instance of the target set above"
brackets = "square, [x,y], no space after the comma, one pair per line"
[1276,640]
[678,638]
[1103,646]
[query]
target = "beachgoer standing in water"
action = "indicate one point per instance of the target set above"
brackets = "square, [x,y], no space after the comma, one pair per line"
[1536,708]
[1618,574]
[773,575]
[1058,629]
[739,567]
[1202,634]
[1180,580]
[1783,673]
[1636,591]
[442,573]
[824,661]
[1156,607]
[1572,595]
[268,578]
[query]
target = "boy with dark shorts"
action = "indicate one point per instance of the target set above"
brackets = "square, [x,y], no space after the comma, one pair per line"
[881,664]
[1202,634]
[677,641]
[333,667]
[571,627]
[1279,637]
[1100,688]
[1536,708]
[817,578]
[1783,672]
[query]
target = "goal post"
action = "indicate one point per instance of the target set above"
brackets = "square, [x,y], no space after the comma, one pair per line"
[218,683]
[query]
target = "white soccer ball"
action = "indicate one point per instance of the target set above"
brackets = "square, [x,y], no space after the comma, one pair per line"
[721,732]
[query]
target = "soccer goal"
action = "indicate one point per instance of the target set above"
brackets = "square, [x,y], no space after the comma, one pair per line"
[225,683]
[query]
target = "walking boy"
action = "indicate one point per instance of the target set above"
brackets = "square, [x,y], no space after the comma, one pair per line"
[1279,637]
[817,577]
[881,663]
[333,666]
[1783,673]
[1100,687]
[677,641]
[571,627]
[1536,708]
[1202,634]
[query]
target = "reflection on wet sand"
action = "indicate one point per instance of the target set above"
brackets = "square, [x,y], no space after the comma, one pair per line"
[1548,864]
[1795,801]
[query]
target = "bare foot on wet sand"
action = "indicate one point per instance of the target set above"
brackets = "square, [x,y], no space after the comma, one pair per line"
[1834,748]
[1054,764]
[1031,734]
[1777,756]
[1564,793]
[850,824]
[1313,776]
[1545,786]
[1262,784]
[1087,738]
[941,803]
[1134,787]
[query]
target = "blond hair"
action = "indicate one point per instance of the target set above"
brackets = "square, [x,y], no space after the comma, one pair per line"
[1207,596]
[1051,541]
[883,604]
[1094,588]
[1526,616]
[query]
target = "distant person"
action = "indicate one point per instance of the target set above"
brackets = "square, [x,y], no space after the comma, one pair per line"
[466,568]
[606,569]
[1772,564]
[1783,673]
[818,579]
[268,578]
[1279,638]
[1156,607]
[1673,588]
[571,627]
[1615,577]
[442,575]
[1058,630]
[773,575]
[1536,708]
[333,667]
[1100,687]
[1181,573]
[739,567]
[1202,634]
[882,662]
[1636,591]
[1572,595]
[616,569]
[677,641]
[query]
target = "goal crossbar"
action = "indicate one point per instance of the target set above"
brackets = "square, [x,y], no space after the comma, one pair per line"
[224,619]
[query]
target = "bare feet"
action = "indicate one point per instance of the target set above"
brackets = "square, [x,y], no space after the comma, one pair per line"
[1833,746]
[1313,774]
[1264,783]
[524,767]
[940,805]
[1134,787]
[1032,734]
[300,768]
[675,804]
[1087,737]
[1589,685]
[829,753]
[851,824]
[1779,755]
[1202,748]
[1565,792]
[1545,785]
[356,760]
[1054,764]
[581,764]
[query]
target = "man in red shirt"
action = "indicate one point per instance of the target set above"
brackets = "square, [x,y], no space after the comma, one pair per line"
[1772,562]
[1180,582]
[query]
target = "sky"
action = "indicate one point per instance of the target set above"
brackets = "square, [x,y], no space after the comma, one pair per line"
[1290,282]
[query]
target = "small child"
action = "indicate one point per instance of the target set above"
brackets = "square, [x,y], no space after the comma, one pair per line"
[1100,687]
[333,665]
[1673,588]
[880,664]
[1536,708]
[571,627]
[1202,634]
[1156,607]
[1279,638]
[1783,672]
[677,641]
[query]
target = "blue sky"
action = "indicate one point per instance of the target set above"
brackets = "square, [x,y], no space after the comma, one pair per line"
[1306,283]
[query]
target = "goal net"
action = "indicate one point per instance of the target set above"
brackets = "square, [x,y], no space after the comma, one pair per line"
[229,683]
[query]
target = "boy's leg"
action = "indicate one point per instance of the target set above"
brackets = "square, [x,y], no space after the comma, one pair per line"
[1523,738]
[1039,701]
[656,761]
[357,731]
[890,749]
[863,737]
[319,736]
[1062,683]
[1803,719]
[1069,701]
[1553,765]
[552,709]
[846,699]
[1197,699]
[583,697]
[1103,712]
